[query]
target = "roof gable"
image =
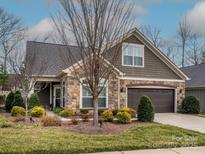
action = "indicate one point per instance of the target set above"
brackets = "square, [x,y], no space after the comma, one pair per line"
[144,40]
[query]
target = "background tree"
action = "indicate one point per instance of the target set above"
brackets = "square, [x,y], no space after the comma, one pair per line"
[184,33]
[11,34]
[153,33]
[94,24]
[22,65]
[195,49]
[3,76]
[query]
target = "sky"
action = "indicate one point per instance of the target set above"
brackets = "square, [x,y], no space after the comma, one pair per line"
[162,14]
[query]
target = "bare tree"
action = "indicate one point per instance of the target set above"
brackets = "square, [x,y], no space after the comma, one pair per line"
[184,33]
[22,65]
[11,34]
[153,33]
[195,49]
[202,58]
[95,24]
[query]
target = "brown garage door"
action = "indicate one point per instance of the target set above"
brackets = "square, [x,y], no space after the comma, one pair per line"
[162,99]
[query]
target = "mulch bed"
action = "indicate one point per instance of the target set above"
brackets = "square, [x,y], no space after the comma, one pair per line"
[108,128]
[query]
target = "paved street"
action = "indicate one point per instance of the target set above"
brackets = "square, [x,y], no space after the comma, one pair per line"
[189,150]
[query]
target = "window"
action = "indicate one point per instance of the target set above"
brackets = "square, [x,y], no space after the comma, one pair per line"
[132,55]
[86,98]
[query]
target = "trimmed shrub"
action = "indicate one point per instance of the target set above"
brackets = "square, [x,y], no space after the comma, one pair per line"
[33,101]
[18,111]
[51,121]
[123,117]
[100,112]
[145,110]
[37,111]
[67,113]
[108,116]
[190,104]
[57,110]
[84,111]
[131,111]
[9,101]
[114,112]
[18,100]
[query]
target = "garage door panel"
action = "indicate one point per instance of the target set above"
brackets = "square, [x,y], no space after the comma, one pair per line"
[162,99]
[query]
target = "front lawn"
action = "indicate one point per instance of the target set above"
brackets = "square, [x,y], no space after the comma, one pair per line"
[57,140]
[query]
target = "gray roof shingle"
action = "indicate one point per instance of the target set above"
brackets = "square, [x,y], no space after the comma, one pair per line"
[53,54]
[197,75]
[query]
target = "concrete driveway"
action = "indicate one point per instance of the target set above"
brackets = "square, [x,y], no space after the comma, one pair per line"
[191,122]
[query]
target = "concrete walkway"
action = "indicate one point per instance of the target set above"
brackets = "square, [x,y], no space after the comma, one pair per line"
[189,150]
[186,121]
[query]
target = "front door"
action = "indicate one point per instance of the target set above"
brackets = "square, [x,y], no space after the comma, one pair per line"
[57,97]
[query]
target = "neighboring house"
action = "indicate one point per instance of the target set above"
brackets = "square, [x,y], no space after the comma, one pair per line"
[142,69]
[196,86]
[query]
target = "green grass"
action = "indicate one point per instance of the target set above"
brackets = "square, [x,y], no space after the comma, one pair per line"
[53,140]
[4,122]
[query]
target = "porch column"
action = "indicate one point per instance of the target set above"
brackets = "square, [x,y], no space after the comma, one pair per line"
[61,85]
[50,93]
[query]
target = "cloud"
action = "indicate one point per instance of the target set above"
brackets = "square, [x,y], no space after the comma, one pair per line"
[41,30]
[139,10]
[196,18]
[148,1]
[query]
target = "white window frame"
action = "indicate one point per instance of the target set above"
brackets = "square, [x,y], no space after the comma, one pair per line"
[134,45]
[81,97]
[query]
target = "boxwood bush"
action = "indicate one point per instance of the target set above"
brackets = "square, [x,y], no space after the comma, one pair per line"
[123,117]
[145,110]
[100,112]
[57,110]
[18,111]
[67,113]
[37,111]
[190,104]
[108,116]
[131,111]
[9,101]
[115,111]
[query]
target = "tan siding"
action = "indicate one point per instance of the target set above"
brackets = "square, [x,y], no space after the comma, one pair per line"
[198,93]
[153,66]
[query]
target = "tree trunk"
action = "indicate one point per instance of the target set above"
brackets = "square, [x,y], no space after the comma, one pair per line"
[183,54]
[26,103]
[95,114]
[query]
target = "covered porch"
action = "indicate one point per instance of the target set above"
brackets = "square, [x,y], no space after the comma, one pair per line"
[51,93]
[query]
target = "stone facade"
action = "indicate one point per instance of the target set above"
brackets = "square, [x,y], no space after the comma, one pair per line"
[117,91]
[73,95]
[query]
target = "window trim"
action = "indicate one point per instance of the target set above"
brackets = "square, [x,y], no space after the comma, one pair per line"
[81,97]
[135,45]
